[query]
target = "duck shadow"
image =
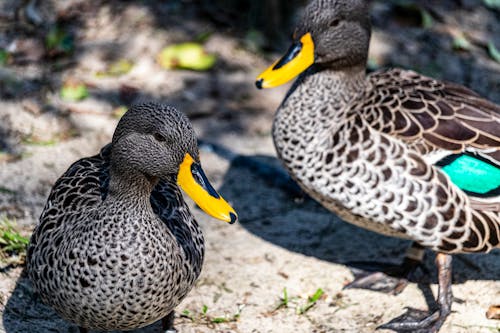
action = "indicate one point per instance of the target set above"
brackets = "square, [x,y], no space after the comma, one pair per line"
[271,206]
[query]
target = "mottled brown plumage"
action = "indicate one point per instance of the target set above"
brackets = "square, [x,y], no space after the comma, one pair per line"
[365,154]
[428,114]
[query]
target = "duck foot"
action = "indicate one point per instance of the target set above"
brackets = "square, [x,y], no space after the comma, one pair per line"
[417,321]
[167,323]
[385,277]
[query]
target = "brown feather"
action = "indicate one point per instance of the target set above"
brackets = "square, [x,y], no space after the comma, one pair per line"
[445,115]
[485,206]
[438,142]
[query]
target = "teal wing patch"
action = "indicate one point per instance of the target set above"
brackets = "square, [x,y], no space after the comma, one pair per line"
[472,174]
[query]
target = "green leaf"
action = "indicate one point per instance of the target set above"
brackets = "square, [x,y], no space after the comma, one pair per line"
[4,57]
[119,111]
[493,51]
[187,314]
[427,20]
[10,239]
[495,4]
[317,295]
[186,56]
[218,320]
[203,37]
[29,140]
[285,297]
[311,301]
[74,91]
[204,309]
[59,41]
[117,68]
[460,42]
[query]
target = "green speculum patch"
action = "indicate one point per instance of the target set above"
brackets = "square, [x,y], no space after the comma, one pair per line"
[472,174]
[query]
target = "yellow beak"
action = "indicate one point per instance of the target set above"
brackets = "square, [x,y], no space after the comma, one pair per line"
[296,60]
[193,181]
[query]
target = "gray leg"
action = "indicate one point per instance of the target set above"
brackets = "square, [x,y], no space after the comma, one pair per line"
[417,321]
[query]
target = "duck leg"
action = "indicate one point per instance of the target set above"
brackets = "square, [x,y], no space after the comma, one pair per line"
[167,323]
[420,321]
[387,278]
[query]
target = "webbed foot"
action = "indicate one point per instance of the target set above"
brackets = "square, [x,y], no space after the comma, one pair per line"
[385,277]
[417,321]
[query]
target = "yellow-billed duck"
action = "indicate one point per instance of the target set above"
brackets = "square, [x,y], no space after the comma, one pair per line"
[116,246]
[394,152]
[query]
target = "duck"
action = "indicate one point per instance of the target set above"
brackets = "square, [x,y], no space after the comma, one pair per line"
[393,151]
[116,246]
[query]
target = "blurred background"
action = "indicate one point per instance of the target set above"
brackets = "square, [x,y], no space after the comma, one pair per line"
[69,69]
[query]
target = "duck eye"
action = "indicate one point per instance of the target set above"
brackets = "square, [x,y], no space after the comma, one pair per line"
[334,22]
[159,137]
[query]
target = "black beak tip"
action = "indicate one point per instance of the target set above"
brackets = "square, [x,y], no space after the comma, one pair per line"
[233,217]
[258,83]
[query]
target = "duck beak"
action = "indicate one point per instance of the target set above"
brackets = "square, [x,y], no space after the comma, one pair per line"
[296,60]
[193,181]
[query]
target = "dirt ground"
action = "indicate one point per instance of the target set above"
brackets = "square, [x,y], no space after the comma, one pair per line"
[283,241]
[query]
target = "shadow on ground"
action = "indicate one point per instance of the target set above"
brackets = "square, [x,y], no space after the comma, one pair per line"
[292,220]
[297,223]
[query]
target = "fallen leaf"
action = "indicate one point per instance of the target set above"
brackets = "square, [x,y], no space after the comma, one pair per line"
[117,68]
[119,111]
[4,57]
[493,51]
[58,41]
[186,56]
[492,3]
[427,20]
[493,312]
[72,91]
[460,42]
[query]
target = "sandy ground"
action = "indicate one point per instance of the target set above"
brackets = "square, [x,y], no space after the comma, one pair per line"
[283,240]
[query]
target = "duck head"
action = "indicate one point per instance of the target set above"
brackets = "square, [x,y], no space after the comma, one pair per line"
[332,34]
[159,142]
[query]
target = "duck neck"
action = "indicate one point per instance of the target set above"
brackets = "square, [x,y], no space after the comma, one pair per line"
[130,187]
[342,84]
[320,98]
[317,107]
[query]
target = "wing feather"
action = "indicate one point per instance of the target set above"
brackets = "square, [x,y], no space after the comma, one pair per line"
[436,115]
